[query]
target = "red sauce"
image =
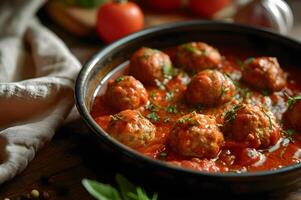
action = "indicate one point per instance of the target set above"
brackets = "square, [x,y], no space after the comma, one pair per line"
[286,152]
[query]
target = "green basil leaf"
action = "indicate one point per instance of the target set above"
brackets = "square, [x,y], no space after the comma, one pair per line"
[101,191]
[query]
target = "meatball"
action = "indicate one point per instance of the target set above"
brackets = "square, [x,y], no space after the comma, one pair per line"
[150,65]
[264,73]
[197,56]
[209,87]
[293,115]
[196,135]
[131,128]
[254,126]
[125,92]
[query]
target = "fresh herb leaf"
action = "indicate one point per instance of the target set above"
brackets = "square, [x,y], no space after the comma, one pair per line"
[153,116]
[172,109]
[124,186]
[101,191]
[128,191]
[293,100]
[120,78]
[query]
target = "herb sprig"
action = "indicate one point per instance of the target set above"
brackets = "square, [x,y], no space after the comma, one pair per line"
[127,191]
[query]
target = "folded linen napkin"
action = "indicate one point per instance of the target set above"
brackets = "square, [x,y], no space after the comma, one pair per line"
[37,74]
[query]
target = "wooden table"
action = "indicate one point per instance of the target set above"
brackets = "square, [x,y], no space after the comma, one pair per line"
[73,153]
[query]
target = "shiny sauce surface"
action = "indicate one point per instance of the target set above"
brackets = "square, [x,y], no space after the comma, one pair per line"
[166,101]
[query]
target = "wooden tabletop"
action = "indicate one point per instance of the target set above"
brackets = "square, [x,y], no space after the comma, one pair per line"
[73,154]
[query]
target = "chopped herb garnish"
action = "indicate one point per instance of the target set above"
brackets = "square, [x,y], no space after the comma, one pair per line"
[153,116]
[240,63]
[172,109]
[189,120]
[289,132]
[249,60]
[160,84]
[190,48]
[168,70]
[231,114]
[152,107]
[163,154]
[120,78]
[166,120]
[152,95]
[223,91]
[293,100]
[144,56]
[116,117]
[269,117]
[169,96]
[265,93]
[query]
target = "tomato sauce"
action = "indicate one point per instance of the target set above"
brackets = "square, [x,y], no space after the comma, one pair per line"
[166,101]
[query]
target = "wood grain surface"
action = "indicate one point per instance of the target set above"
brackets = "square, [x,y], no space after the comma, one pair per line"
[73,154]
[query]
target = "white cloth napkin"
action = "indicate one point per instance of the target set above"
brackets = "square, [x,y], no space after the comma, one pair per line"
[37,74]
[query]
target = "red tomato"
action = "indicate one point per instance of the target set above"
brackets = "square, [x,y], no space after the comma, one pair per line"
[116,20]
[164,4]
[205,8]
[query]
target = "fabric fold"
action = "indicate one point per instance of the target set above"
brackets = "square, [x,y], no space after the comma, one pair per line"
[37,73]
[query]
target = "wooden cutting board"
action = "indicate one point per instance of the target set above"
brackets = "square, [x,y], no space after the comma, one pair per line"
[81,21]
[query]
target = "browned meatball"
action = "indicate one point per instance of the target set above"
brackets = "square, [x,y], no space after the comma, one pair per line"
[264,73]
[254,126]
[131,128]
[293,115]
[149,65]
[210,87]
[196,135]
[125,92]
[197,56]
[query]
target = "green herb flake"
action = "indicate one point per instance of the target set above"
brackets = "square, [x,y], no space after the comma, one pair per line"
[231,114]
[144,56]
[190,48]
[153,116]
[163,154]
[169,96]
[168,70]
[292,101]
[265,93]
[152,107]
[160,84]
[289,132]
[224,90]
[120,78]
[240,63]
[269,117]
[166,120]
[249,60]
[172,109]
